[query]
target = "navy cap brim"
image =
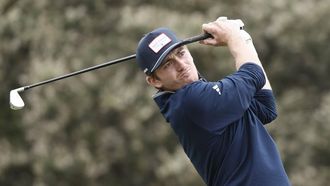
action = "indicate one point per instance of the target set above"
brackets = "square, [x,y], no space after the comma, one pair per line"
[164,54]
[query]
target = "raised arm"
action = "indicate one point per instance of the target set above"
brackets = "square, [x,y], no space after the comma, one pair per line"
[227,33]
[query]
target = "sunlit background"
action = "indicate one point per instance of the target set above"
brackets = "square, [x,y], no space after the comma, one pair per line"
[103,128]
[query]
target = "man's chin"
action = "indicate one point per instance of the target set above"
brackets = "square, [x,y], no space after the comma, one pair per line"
[190,78]
[183,82]
[187,81]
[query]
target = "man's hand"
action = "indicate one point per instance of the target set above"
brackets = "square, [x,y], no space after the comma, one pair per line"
[223,31]
[227,33]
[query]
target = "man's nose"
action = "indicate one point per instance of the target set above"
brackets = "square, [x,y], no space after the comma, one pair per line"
[180,64]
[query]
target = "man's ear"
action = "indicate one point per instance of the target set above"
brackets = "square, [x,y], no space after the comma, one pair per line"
[154,82]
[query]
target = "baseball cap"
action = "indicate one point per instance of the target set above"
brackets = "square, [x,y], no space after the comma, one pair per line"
[154,47]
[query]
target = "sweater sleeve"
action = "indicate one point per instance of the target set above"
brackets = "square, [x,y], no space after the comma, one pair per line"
[214,105]
[264,106]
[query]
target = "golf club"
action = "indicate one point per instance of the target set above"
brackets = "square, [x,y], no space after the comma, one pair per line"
[16,101]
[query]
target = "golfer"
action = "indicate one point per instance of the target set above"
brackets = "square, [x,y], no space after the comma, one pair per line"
[219,124]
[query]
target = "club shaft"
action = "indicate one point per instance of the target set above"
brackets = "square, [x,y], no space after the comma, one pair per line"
[184,42]
[82,71]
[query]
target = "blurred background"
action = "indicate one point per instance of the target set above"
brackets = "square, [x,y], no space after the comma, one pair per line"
[103,128]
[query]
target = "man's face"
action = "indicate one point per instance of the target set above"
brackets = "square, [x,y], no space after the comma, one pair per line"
[177,70]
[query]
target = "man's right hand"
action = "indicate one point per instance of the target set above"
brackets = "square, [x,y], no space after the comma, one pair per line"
[223,31]
[227,33]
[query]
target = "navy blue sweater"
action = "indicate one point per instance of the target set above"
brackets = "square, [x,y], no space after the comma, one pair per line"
[220,126]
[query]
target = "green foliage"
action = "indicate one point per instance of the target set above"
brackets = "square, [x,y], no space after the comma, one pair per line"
[102,128]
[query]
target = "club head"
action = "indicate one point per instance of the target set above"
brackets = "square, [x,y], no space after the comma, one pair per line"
[15,99]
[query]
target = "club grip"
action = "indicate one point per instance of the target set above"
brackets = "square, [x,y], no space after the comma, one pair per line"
[196,38]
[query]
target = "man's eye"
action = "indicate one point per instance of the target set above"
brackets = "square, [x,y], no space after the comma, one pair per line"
[181,53]
[167,64]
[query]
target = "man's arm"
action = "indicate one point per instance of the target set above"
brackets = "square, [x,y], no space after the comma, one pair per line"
[239,42]
[264,106]
[226,32]
[223,102]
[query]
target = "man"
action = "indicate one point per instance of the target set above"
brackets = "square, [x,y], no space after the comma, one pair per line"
[219,124]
